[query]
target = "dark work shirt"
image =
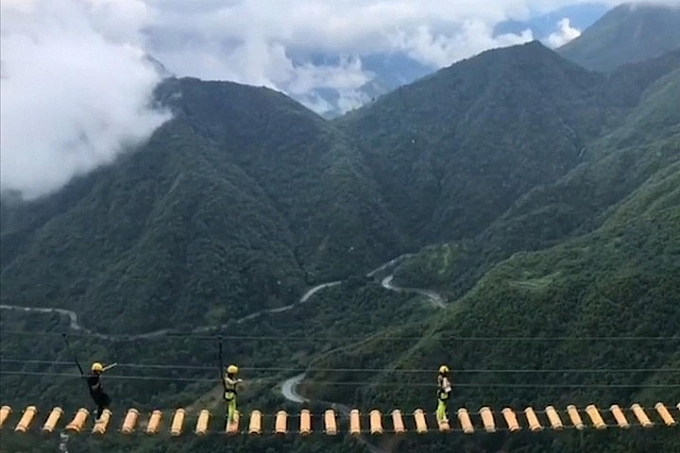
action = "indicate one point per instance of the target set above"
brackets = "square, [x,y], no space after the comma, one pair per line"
[94,383]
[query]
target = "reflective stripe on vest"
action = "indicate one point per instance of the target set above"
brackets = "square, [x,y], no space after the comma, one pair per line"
[229,390]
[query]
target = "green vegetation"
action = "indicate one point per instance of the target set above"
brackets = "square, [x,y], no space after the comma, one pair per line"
[546,200]
[579,202]
[609,43]
[453,151]
[187,219]
[602,284]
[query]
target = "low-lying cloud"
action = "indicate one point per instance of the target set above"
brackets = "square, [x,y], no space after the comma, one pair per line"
[73,98]
[441,50]
[564,34]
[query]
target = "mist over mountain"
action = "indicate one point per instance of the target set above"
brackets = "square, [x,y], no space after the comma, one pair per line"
[580,17]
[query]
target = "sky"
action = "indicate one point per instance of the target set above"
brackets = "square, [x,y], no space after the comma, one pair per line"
[76,87]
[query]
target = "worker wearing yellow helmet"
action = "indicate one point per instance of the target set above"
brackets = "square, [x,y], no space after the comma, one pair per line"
[100,398]
[443,392]
[229,381]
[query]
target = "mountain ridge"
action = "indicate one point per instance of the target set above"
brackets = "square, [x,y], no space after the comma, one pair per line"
[608,43]
[461,117]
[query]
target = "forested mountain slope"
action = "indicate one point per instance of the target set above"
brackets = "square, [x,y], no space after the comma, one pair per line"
[453,151]
[246,196]
[613,167]
[602,284]
[236,204]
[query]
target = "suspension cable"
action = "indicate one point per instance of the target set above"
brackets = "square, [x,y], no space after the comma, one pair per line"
[358,370]
[355,383]
[168,334]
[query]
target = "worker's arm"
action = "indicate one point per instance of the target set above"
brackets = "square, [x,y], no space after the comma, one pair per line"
[231,381]
[447,385]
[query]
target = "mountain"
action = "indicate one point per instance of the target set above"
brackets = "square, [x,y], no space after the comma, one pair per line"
[538,198]
[323,200]
[643,144]
[592,255]
[454,150]
[244,197]
[615,281]
[628,33]
[391,70]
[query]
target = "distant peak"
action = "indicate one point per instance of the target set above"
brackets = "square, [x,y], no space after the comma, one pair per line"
[660,5]
[530,46]
[629,33]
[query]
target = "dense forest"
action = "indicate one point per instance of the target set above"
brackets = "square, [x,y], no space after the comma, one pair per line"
[537,198]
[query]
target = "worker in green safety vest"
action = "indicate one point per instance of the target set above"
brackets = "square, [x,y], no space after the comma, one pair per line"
[229,382]
[443,392]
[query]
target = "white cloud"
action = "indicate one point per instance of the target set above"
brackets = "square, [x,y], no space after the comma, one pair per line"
[442,50]
[356,27]
[248,40]
[72,99]
[564,34]
[119,21]
[341,26]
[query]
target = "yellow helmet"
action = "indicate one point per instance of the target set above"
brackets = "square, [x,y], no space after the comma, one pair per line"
[96,366]
[232,369]
[443,369]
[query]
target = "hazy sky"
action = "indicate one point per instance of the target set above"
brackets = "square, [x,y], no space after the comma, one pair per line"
[75,86]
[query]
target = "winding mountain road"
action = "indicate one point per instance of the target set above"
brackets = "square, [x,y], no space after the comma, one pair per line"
[436,299]
[289,389]
[75,325]
[289,386]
